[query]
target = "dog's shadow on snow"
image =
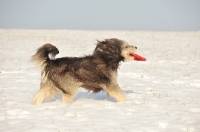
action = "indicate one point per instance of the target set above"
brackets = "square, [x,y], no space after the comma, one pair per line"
[99,96]
[90,95]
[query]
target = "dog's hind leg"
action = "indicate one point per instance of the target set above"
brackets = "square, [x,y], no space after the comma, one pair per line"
[46,91]
[114,91]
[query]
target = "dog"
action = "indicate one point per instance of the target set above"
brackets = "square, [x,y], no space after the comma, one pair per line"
[94,72]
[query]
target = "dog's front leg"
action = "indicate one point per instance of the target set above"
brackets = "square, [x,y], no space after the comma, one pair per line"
[114,91]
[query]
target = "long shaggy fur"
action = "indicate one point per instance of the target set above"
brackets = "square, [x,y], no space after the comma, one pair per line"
[94,72]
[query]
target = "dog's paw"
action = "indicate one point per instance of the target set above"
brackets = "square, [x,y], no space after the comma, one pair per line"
[67,100]
[121,98]
[36,101]
[118,96]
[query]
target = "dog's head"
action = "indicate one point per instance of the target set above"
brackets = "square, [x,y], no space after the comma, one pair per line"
[115,50]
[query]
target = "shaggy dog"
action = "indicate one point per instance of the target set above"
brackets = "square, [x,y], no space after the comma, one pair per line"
[94,72]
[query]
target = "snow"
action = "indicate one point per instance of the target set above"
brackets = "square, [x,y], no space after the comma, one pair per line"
[163,93]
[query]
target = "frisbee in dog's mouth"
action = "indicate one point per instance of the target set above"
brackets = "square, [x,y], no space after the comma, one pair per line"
[137,57]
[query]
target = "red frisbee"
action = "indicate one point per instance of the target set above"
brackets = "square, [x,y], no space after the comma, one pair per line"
[137,57]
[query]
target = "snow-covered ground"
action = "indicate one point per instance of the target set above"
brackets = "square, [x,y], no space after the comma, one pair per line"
[163,93]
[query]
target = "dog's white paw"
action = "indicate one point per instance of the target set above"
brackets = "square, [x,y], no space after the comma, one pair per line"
[121,98]
[36,101]
[118,96]
[67,100]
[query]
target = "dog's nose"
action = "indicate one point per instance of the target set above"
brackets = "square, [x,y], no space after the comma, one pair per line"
[135,47]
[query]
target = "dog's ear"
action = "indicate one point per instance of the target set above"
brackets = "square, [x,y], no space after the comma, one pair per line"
[108,46]
[101,46]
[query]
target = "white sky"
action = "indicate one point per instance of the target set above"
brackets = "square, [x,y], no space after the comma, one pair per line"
[169,15]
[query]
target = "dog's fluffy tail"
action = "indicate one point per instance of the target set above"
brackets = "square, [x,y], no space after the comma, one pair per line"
[44,54]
